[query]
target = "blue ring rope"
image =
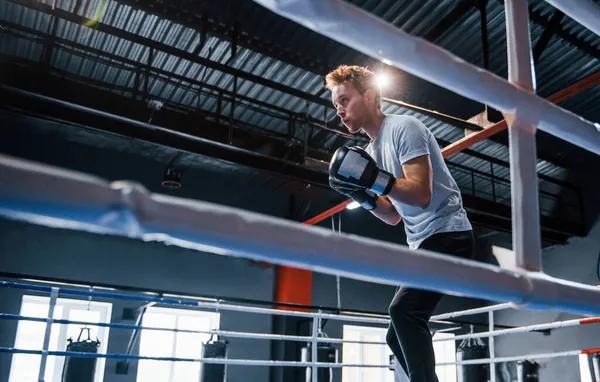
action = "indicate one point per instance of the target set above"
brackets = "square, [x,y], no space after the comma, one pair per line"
[196,303]
[16,317]
[224,361]
[108,356]
[108,295]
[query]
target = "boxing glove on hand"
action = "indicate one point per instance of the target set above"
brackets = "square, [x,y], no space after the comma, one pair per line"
[366,199]
[353,166]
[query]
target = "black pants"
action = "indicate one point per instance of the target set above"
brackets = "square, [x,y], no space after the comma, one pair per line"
[408,336]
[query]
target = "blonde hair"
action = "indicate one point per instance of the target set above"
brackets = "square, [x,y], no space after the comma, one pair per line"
[361,78]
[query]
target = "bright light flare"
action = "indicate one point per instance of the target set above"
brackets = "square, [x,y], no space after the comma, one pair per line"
[353,205]
[383,80]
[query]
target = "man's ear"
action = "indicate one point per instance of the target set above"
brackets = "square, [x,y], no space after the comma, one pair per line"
[370,96]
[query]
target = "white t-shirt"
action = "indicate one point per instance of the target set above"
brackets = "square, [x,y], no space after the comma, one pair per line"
[400,139]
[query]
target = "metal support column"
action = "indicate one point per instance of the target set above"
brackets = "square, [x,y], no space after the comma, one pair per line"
[522,146]
[47,333]
[491,346]
[232,111]
[316,324]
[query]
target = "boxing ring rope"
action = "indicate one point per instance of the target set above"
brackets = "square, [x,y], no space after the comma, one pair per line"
[59,291]
[346,24]
[585,12]
[56,291]
[528,328]
[478,136]
[467,312]
[59,198]
[224,333]
[525,357]
[250,362]
[52,197]
[194,303]
[223,361]
[286,337]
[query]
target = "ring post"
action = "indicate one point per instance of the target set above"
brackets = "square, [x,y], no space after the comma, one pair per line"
[522,146]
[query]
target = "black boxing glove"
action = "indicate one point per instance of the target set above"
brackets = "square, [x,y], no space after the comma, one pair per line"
[366,199]
[353,166]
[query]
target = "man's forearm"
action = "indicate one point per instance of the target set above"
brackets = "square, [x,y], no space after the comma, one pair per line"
[410,192]
[386,212]
[404,191]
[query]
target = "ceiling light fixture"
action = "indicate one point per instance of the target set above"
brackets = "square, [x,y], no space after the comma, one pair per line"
[353,205]
[383,80]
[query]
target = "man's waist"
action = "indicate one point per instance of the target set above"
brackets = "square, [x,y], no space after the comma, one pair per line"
[416,225]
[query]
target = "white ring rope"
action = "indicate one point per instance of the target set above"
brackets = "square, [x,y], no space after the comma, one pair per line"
[347,24]
[252,362]
[57,198]
[56,291]
[47,196]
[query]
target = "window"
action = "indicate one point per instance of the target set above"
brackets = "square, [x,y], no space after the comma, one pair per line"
[585,368]
[370,354]
[30,335]
[445,351]
[365,354]
[156,343]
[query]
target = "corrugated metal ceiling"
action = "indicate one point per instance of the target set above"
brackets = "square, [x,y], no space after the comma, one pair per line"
[560,65]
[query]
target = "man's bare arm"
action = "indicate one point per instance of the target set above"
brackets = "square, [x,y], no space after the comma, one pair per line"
[386,212]
[416,187]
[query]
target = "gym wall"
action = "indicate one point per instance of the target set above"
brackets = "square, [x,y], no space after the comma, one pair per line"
[42,252]
[576,261]
[58,254]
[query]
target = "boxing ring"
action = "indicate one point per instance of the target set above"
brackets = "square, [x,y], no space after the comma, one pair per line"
[54,197]
[314,339]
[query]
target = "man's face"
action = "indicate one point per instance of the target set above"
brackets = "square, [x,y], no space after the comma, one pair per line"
[351,106]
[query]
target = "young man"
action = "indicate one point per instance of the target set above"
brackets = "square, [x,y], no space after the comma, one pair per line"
[400,176]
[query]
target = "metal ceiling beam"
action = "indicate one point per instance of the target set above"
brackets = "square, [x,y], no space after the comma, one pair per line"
[187,139]
[288,56]
[211,27]
[448,21]
[69,87]
[505,164]
[541,20]
[546,36]
[499,218]
[485,47]
[184,139]
[460,10]
[152,44]
[136,66]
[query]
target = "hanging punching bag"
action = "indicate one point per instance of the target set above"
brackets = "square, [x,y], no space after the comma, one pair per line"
[528,371]
[214,372]
[325,353]
[80,369]
[596,366]
[469,349]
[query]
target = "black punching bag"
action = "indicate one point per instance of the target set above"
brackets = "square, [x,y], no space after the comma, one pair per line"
[213,372]
[80,369]
[528,371]
[325,353]
[596,367]
[469,349]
